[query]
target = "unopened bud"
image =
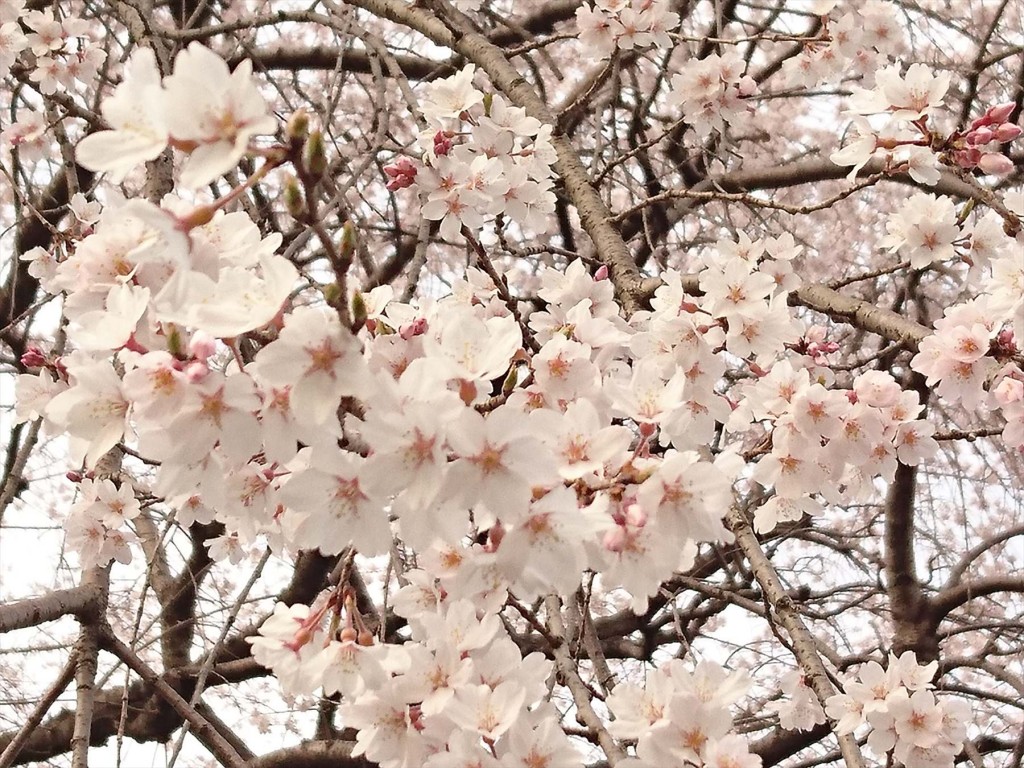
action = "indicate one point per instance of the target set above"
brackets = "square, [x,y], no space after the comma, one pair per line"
[401,174]
[348,240]
[602,272]
[293,201]
[995,164]
[1008,132]
[74,476]
[202,345]
[510,380]
[636,516]
[495,536]
[314,155]
[415,328]
[332,294]
[614,539]
[298,126]
[359,310]
[968,158]
[175,343]
[980,136]
[747,86]
[196,371]
[442,144]
[33,358]
[1001,112]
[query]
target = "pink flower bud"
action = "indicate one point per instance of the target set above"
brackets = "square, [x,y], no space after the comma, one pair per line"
[402,174]
[1008,132]
[1004,345]
[416,328]
[33,358]
[614,540]
[968,158]
[995,164]
[202,345]
[442,143]
[132,345]
[747,86]
[1001,112]
[74,476]
[196,371]
[602,272]
[980,122]
[636,516]
[980,136]
[494,537]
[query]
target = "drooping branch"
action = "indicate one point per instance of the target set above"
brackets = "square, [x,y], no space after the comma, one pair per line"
[804,646]
[211,738]
[35,717]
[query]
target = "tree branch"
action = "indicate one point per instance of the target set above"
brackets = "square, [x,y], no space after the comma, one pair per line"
[804,646]
[204,731]
[83,601]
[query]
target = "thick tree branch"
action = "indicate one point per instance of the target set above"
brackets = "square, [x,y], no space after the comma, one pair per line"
[570,676]
[313,754]
[950,599]
[83,601]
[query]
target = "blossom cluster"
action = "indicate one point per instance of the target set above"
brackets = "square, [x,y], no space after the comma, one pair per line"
[825,440]
[920,729]
[681,717]
[925,229]
[626,25]
[481,158]
[852,43]
[201,108]
[799,708]
[712,92]
[514,451]
[96,523]
[458,692]
[60,53]
[907,143]
[973,357]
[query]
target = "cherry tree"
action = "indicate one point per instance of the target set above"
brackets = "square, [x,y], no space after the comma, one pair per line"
[478,384]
